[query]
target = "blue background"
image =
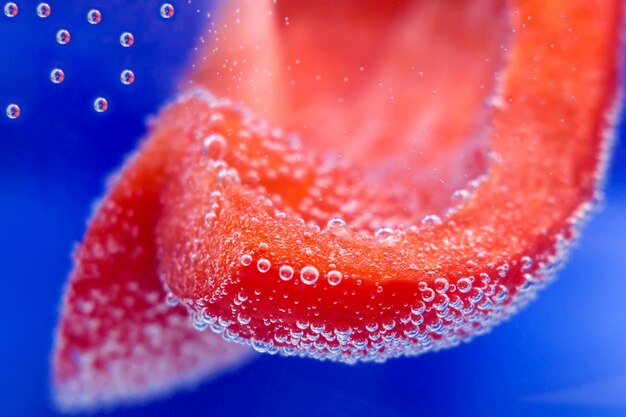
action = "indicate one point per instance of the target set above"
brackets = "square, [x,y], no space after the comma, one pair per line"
[564,355]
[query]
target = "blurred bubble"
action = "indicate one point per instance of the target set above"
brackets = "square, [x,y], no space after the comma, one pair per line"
[127,39]
[127,77]
[167,10]
[10,9]
[57,76]
[94,16]
[43,10]
[63,36]
[13,111]
[101,104]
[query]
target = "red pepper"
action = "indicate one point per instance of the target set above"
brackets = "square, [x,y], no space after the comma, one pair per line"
[284,246]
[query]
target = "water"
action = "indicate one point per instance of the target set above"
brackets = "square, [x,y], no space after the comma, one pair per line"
[563,355]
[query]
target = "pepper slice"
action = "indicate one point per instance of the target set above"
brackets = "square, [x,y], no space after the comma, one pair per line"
[267,241]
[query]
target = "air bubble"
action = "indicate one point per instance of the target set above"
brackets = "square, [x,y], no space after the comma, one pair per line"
[302,324]
[435,327]
[127,39]
[431,220]
[383,232]
[428,295]
[475,295]
[335,222]
[57,76]
[371,326]
[209,219]
[441,302]
[260,346]
[464,285]
[418,307]
[285,272]
[527,263]
[503,270]
[43,10]
[171,300]
[460,196]
[94,16]
[243,318]
[245,259]
[263,265]
[309,275]
[318,327]
[334,277]
[63,36]
[127,77]
[100,104]
[13,111]
[198,322]
[389,324]
[441,285]
[167,10]
[214,146]
[10,9]
[502,293]
[343,331]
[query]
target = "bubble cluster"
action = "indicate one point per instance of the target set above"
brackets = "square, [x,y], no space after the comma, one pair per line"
[402,307]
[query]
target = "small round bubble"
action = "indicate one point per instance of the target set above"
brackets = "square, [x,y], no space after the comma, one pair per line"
[43,10]
[57,76]
[100,104]
[428,295]
[383,232]
[10,9]
[127,39]
[334,277]
[171,300]
[245,259]
[418,307]
[309,275]
[389,324]
[214,147]
[63,36]
[336,222]
[464,285]
[243,318]
[127,77]
[94,16]
[263,265]
[285,272]
[13,111]
[167,10]
[441,302]
[431,220]
[441,285]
